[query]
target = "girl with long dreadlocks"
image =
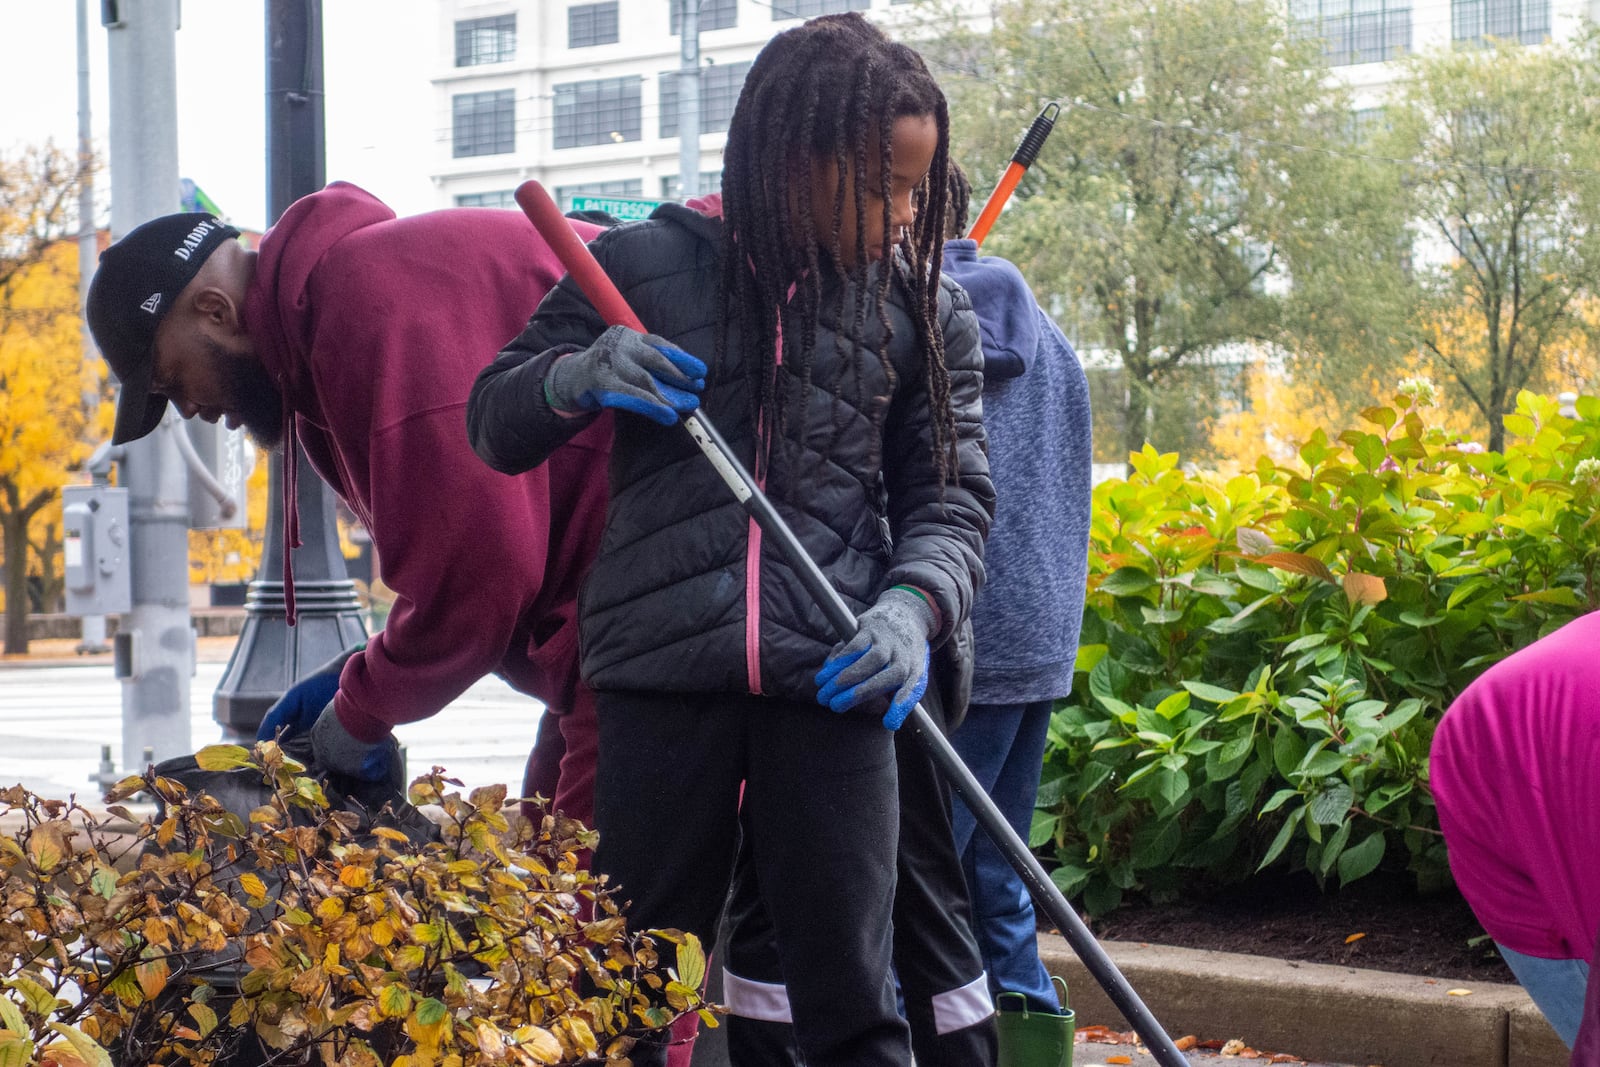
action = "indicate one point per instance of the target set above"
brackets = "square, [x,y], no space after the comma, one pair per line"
[846,375]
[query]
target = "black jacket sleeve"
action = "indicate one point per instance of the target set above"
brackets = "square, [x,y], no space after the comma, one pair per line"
[939,530]
[511,425]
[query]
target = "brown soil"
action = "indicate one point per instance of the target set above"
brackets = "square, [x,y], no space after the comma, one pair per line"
[1290,918]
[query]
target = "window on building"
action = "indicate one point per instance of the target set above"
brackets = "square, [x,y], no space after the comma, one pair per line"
[719,92]
[1355,31]
[1475,21]
[810,9]
[592,24]
[710,182]
[597,112]
[1368,122]
[498,198]
[490,40]
[632,187]
[484,124]
[714,14]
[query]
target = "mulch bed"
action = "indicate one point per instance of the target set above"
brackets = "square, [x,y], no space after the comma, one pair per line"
[1288,917]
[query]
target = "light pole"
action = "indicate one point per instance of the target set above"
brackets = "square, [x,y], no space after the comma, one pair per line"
[688,98]
[271,655]
[93,637]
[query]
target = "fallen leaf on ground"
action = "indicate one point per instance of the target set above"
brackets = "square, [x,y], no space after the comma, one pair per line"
[1353,938]
[1185,1043]
[1233,1047]
[1119,1059]
[1104,1035]
[1284,1057]
[1458,993]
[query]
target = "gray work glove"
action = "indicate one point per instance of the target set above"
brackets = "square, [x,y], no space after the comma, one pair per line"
[629,371]
[335,749]
[888,654]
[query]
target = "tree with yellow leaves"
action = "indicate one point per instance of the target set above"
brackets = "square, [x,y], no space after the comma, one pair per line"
[230,556]
[1281,412]
[1506,141]
[44,427]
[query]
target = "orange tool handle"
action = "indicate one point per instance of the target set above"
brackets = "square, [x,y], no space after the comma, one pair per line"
[1021,160]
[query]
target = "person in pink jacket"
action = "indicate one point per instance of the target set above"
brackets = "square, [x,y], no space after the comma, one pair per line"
[358,335]
[1515,772]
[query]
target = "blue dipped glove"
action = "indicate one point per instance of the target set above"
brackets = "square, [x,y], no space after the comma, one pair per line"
[297,710]
[300,713]
[888,654]
[629,371]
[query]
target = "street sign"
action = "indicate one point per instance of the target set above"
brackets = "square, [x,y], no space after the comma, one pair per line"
[618,207]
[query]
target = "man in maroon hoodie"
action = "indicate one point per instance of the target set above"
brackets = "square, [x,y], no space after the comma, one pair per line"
[358,335]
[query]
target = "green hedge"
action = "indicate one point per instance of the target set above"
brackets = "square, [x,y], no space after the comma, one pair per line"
[1265,657]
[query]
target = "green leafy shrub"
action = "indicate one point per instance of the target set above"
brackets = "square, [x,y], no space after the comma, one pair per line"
[293,937]
[1265,657]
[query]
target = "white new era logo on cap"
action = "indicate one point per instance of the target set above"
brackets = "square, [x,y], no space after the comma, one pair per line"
[151,303]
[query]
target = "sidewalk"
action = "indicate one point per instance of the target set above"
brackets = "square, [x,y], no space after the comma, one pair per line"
[57,710]
[63,652]
[1313,1010]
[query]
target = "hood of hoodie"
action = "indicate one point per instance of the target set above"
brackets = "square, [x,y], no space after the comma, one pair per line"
[275,314]
[275,309]
[701,216]
[1005,307]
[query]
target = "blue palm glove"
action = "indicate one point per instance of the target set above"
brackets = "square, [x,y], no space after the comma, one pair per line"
[888,654]
[629,371]
[297,710]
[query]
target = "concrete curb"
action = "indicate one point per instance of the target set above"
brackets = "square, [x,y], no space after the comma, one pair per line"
[1317,1011]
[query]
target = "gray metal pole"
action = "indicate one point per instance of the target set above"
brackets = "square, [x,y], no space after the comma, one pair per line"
[93,637]
[156,643]
[689,99]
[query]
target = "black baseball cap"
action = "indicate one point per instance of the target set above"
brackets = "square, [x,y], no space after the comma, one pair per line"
[136,284]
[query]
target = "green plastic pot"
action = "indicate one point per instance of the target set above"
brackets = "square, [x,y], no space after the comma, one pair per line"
[1034,1038]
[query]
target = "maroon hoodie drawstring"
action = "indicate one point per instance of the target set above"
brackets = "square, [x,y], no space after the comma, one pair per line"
[291,505]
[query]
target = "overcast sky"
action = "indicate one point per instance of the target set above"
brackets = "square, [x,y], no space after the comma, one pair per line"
[381,115]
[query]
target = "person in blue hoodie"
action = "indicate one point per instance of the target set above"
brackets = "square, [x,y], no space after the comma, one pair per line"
[1026,619]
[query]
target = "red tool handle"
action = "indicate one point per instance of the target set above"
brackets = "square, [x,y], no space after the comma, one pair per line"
[575,256]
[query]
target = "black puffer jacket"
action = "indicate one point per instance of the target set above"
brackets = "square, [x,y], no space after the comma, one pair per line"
[668,606]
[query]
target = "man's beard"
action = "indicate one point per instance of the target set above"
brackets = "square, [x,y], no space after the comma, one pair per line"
[253,398]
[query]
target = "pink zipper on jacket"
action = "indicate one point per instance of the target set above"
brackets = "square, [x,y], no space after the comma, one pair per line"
[752,565]
[711,207]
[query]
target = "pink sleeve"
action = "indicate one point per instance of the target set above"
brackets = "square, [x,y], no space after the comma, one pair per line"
[1512,772]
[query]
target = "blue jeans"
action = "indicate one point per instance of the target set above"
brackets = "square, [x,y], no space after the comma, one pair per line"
[1003,746]
[1556,986]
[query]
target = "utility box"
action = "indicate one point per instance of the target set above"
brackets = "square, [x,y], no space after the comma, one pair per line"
[230,458]
[95,549]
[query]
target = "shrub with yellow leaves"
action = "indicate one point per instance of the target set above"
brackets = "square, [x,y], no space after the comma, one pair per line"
[303,931]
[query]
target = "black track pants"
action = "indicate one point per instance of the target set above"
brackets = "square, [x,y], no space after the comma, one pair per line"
[936,956]
[820,818]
